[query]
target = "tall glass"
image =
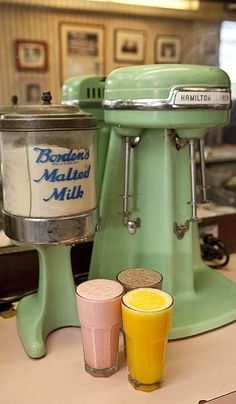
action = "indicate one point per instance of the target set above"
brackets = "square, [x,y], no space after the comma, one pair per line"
[99,308]
[133,278]
[146,316]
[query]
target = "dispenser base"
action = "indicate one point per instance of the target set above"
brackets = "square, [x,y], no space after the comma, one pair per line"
[211,306]
[34,327]
[53,306]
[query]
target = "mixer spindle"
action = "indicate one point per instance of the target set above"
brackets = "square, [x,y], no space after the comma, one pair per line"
[202,170]
[192,155]
[126,183]
[131,224]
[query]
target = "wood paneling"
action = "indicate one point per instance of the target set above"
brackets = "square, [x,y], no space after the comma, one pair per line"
[42,23]
[211,10]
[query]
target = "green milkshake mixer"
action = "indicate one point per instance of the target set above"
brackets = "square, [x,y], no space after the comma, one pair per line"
[88,93]
[159,116]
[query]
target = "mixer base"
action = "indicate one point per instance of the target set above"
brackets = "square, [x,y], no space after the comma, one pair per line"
[212,305]
[53,306]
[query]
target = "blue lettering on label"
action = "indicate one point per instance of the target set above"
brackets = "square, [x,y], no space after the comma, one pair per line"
[46,155]
[71,175]
[65,193]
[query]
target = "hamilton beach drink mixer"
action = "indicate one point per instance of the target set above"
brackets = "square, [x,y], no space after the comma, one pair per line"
[49,202]
[159,116]
[88,93]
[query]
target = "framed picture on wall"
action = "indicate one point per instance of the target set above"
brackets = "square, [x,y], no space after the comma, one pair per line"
[230,6]
[129,46]
[31,55]
[81,50]
[167,49]
[31,89]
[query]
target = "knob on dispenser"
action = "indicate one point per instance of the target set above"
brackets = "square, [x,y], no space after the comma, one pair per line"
[46,97]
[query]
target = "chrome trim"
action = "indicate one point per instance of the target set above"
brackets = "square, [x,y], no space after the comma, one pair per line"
[193,179]
[71,102]
[83,104]
[203,186]
[131,225]
[57,230]
[151,104]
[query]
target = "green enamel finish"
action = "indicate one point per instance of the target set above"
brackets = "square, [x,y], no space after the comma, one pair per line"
[103,136]
[88,92]
[160,185]
[76,88]
[156,81]
[180,120]
[53,306]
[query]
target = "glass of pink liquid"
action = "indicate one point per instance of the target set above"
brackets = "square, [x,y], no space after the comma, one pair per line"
[99,307]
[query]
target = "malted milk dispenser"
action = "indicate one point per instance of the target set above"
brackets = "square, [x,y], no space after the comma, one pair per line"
[159,116]
[49,202]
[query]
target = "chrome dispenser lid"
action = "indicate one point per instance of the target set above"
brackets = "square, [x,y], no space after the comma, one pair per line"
[7,109]
[46,116]
[165,87]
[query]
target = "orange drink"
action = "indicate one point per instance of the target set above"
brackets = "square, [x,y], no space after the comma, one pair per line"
[146,316]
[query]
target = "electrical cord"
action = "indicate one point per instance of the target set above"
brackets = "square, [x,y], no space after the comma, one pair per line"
[213,249]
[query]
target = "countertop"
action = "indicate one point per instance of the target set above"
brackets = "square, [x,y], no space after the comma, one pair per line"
[197,368]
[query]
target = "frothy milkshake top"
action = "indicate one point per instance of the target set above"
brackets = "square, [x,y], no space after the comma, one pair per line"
[99,289]
[139,277]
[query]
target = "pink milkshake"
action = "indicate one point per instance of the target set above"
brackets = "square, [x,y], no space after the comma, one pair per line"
[99,307]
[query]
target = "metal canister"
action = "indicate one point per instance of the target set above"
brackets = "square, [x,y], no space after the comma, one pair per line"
[48,173]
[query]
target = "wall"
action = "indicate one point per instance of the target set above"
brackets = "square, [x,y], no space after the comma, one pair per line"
[27,22]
